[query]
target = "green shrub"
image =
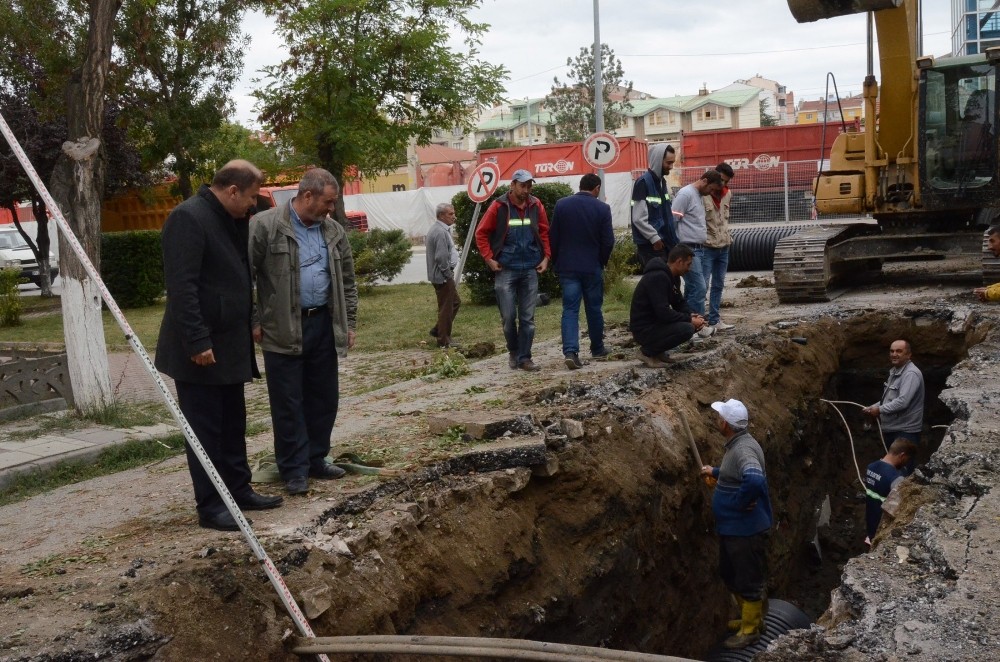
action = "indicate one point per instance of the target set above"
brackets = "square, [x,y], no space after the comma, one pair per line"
[378,254]
[132,267]
[10,298]
[623,262]
[478,276]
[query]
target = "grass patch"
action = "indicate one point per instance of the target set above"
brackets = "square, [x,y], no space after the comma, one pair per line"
[128,414]
[390,317]
[120,457]
[117,415]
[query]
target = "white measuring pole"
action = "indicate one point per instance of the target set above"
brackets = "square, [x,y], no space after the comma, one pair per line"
[67,233]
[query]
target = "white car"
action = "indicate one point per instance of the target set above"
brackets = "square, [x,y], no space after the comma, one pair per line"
[14,252]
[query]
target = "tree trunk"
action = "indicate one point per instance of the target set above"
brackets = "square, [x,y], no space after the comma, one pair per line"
[78,187]
[326,150]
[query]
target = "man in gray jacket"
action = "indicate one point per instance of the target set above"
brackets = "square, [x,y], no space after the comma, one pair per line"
[307,303]
[901,409]
[442,256]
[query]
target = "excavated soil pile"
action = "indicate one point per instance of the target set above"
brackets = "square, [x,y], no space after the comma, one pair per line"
[591,527]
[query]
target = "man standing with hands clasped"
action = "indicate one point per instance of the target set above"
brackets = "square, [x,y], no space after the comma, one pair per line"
[688,209]
[308,302]
[442,256]
[742,509]
[513,239]
[582,240]
[205,339]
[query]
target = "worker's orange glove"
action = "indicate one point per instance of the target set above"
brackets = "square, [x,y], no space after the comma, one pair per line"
[711,481]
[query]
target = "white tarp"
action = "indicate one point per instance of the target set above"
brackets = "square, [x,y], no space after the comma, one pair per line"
[413,211]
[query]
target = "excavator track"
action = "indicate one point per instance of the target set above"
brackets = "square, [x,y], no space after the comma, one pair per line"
[801,265]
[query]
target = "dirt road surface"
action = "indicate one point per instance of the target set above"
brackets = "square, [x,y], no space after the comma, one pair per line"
[603,541]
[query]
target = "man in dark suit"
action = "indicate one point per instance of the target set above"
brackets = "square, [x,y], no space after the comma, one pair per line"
[205,341]
[581,239]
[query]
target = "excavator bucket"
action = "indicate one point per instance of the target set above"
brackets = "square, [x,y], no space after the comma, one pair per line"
[806,11]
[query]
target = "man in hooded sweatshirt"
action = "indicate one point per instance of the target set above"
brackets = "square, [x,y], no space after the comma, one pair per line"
[652,223]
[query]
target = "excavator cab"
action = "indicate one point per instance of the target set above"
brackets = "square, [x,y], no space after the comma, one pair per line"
[958,119]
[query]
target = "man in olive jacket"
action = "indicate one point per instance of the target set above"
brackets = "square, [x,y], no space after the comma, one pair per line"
[307,303]
[205,339]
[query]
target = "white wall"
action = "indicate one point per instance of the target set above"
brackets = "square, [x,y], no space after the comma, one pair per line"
[413,211]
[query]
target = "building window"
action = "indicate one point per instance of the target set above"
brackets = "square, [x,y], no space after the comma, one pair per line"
[713,112]
[661,117]
[809,116]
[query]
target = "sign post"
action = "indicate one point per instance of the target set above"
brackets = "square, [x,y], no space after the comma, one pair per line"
[601,150]
[482,184]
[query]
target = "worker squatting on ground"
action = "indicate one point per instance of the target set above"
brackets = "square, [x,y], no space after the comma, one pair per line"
[742,509]
[659,317]
[442,257]
[880,479]
[991,293]
[304,271]
[513,239]
[901,409]
[205,341]
[582,239]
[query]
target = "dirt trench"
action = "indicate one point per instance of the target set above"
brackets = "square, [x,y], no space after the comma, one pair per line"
[604,539]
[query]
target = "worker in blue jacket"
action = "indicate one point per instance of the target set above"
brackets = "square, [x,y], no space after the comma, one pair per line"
[743,518]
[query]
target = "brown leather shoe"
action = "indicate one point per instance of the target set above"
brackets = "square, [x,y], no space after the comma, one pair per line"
[528,365]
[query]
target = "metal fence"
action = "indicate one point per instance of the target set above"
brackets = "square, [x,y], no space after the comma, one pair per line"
[767,191]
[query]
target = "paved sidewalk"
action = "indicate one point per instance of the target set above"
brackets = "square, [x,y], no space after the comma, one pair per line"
[22,450]
[44,451]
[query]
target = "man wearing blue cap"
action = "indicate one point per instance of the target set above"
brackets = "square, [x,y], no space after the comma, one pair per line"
[513,239]
[742,510]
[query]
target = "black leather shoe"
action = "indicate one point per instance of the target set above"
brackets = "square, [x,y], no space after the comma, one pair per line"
[297,485]
[258,502]
[220,522]
[326,472]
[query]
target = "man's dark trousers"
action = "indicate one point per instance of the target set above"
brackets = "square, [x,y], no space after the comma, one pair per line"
[218,415]
[448,304]
[663,337]
[303,391]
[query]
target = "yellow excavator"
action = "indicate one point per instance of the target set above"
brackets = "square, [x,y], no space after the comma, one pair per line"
[924,167]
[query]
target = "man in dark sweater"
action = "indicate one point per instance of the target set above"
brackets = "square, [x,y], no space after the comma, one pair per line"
[742,509]
[581,239]
[660,318]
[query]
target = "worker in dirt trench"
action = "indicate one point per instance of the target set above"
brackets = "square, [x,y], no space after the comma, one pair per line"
[742,510]
[901,409]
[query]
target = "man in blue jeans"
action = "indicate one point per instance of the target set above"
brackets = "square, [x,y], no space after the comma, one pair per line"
[688,209]
[581,238]
[513,239]
[715,254]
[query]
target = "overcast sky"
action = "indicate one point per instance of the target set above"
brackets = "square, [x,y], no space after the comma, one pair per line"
[666,48]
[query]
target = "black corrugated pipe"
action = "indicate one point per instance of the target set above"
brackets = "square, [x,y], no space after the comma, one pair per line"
[753,248]
[781,617]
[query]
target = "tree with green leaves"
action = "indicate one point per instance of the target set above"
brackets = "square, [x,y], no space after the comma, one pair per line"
[766,119]
[183,58]
[364,78]
[492,142]
[572,103]
[234,141]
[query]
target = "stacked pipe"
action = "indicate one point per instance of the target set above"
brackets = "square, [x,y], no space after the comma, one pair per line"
[753,248]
